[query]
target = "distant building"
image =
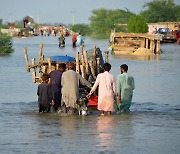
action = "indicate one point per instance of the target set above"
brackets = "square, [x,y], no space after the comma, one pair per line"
[153,27]
[11,25]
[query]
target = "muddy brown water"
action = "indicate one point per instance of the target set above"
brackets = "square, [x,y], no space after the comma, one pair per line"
[153,126]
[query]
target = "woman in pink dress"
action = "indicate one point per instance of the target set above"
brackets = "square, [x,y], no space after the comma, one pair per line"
[106,91]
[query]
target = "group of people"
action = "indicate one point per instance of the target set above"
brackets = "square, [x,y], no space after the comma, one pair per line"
[77,40]
[60,90]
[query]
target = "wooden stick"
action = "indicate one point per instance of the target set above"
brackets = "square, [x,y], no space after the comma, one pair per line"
[49,65]
[92,69]
[43,69]
[77,62]
[106,56]
[81,50]
[82,71]
[33,71]
[26,60]
[98,65]
[86,62]
[40,57]
[94,56]
[83,60]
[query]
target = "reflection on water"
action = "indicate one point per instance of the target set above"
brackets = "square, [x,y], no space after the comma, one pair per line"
[151,127]
[148,57]
[104,132]
[147,129]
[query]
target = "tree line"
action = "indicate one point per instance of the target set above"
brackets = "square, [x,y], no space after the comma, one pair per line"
[102,21]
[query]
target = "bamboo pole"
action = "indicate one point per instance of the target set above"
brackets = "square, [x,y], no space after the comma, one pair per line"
[26,60]
[82,71]
[86,62]
[83,60]
[98,65]
[77,62]
[43,69]
[106,56]
[49,65]
[40,57]
[92,69]
[81,50]
[33,71]
[94,56]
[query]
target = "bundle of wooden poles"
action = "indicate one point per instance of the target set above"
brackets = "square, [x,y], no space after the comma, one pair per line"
[87,64]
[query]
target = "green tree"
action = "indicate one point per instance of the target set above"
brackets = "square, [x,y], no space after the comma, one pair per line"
[177,12]
[1,22]
[18,24]
[83,28]
[161,11]
[103,21]
[137,24]
[5,44]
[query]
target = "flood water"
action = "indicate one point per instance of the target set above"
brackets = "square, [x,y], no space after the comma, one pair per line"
[153,126]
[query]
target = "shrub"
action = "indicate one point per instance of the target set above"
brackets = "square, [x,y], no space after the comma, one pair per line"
[5,44]
[137,24]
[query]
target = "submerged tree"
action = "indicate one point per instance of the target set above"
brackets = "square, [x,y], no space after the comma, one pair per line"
[161,11]
[137,24]
[103,21]
[5,44]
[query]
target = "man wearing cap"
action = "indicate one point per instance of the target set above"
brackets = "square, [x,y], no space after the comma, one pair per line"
[70,88]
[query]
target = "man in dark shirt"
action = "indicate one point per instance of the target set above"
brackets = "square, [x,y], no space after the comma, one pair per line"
[55,82]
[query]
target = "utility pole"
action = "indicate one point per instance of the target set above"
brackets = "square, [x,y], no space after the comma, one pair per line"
[72,13]
[38,18]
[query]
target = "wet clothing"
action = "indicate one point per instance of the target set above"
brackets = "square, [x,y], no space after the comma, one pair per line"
[74,40]
[70,87]
[79,41]
[61,40]
[56,87]
[125,86]
[106,91]
[44,97]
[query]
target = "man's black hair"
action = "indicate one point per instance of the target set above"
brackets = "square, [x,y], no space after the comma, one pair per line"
[62,65]
[45,77]
[125,67]
[107,67]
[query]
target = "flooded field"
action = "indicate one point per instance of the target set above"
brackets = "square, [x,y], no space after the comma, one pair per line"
[153,126]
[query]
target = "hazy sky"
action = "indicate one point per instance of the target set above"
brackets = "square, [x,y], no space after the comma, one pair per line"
[61,10]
